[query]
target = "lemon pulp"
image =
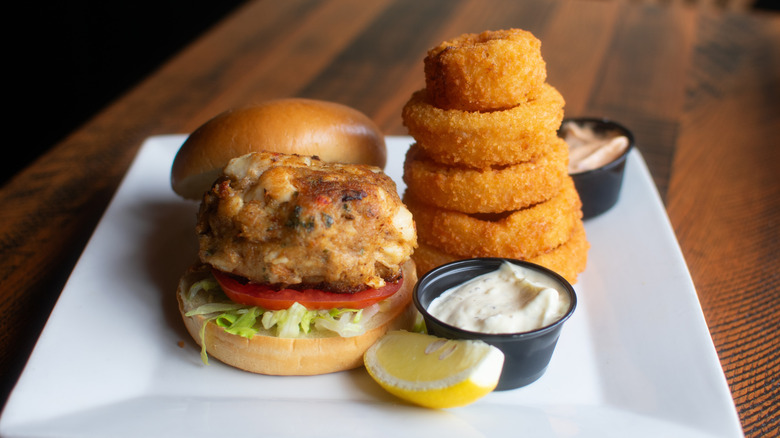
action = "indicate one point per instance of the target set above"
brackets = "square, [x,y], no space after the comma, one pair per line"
[434,372]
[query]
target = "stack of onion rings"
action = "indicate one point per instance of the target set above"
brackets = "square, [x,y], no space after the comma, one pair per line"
[485,72]
[488,175]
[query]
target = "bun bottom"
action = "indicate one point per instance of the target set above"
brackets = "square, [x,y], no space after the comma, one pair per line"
[303,356]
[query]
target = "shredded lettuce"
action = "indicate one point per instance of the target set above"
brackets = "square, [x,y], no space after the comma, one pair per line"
[293,322]
[208,284]
[203,355]
[210,308]
[241,322]
[419,323]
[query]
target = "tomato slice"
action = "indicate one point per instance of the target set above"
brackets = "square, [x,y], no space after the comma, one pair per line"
[255,294]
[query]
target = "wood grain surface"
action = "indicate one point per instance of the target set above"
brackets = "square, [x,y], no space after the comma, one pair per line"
[698,85]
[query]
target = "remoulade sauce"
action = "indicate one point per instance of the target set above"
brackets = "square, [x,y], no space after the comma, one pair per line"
[589,149]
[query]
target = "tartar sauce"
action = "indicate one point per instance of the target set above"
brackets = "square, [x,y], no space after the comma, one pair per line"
[511,299]
[589,149]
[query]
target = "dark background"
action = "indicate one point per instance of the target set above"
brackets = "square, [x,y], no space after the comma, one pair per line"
[68,60]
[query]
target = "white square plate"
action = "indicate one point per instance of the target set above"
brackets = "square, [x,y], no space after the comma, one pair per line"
[114,359]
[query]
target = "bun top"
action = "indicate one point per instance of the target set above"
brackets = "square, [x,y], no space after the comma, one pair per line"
[331,131]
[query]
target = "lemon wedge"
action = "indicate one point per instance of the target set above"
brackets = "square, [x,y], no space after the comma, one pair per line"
[434,372]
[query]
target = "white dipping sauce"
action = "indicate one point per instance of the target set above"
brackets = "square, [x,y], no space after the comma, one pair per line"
[511,299]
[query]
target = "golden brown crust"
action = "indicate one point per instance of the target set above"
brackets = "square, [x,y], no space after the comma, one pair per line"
[301,356]
[483,139]
[334,132]
[295,220]
[519,234]
[488,176]
[490,190]
[488,71]
[568,260]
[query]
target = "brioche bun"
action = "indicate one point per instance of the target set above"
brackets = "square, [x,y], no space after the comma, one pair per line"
[334,132]
[310,355]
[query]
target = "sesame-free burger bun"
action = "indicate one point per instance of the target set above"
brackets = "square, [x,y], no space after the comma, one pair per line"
[307,355]
[334,132]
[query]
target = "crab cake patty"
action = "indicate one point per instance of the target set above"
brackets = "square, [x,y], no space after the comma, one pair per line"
[298,221]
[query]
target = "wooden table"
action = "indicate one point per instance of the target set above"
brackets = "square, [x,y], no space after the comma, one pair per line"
[699,86]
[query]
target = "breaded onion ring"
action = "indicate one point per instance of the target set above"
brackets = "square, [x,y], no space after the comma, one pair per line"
[483,139]
[491,190]
[568,260]
[488,71]
[519,234]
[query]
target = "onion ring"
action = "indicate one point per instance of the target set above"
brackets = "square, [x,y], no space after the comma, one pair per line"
[490,190]
[519,234]
[568,259]
[488,71]
[483,139]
